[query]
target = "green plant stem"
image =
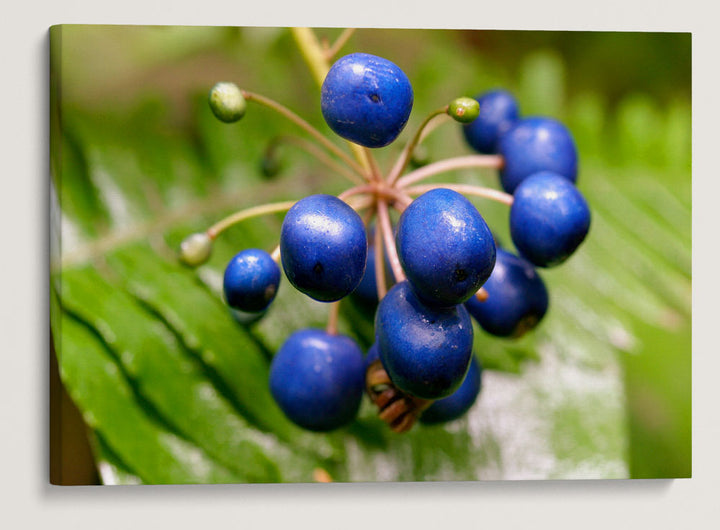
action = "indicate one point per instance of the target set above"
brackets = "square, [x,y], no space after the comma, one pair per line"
[312,52]
[450,164]
[344,37]
[248,213]
[319,65]
[290,115]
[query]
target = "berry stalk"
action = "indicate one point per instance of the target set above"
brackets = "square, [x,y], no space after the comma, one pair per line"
[319,65]
[341,41]
[242,215]
[387,234]
[404,158]
[297,120]
[379,265]
[450,164]
[332,325]
[315,152]
[478,191]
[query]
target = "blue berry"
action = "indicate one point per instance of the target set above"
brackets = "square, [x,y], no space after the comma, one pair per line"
[318,379]
[367,288]
[459,402]
[373,354]
[549,219]
[251,280]
[323,247]
[517,298]
[498,112]
[445,247]
[425,350]
[366,99]
[533,145]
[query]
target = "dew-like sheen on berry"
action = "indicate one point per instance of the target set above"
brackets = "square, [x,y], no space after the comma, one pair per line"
[323,247]
[549,219]
[445,247]
[425,350]
[317,379]
[366,99]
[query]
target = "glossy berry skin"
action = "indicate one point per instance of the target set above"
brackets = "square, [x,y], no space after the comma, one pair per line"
[318,379]
[549,219]
[536,144]
[366,99]
[445,247]
[459,402]
[251,280]
[425,350]
[498,112]
[323,247]
[517,298]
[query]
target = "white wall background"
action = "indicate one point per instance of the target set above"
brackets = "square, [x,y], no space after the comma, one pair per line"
[28,501]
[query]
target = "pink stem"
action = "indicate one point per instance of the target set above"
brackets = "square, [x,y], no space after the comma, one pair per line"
[479,191]
[386,228]
[459,162]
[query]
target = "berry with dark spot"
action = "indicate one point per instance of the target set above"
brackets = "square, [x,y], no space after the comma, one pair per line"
[425,350]
[366,99]
[323,247]
[251,280]
[445,247]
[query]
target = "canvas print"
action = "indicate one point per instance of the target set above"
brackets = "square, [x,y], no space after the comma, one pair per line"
[368,255]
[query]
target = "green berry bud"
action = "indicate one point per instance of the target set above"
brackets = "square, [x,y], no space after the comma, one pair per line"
[195,249]
[227,102]
[270,166]
[464,109]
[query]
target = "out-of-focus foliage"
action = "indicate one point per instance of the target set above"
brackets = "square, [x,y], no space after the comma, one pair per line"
[174,390]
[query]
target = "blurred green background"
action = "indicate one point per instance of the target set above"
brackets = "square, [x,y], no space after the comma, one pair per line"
[171,389]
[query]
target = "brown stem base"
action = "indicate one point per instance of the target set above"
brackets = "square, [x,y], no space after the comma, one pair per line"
[396,408]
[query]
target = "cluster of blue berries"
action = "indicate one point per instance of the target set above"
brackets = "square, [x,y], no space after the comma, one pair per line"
[439,265]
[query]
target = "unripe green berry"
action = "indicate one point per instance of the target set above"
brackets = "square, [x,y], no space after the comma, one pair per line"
[464,109]
[227,102]
[270,166]
[195,249]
